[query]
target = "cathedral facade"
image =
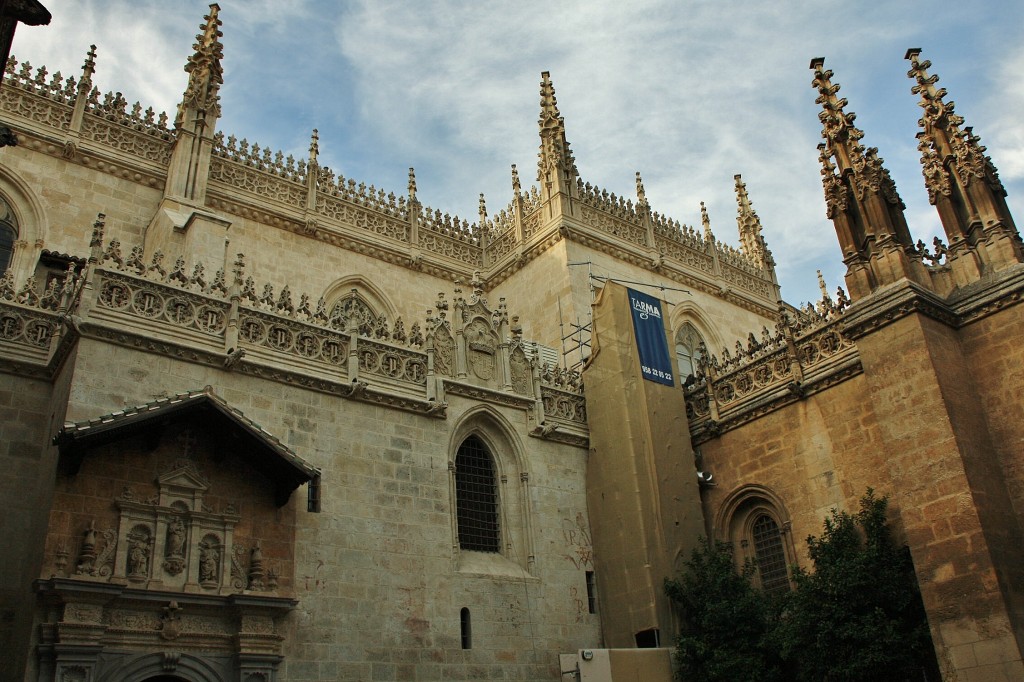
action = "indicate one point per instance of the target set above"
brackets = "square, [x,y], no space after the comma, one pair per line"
[263,422]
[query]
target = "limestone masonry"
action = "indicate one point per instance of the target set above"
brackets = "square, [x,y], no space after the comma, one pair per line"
[262,422]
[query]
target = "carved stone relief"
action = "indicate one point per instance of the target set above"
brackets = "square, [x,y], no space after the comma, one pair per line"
[482,347]
[172,542]
[444,352]
[519,366]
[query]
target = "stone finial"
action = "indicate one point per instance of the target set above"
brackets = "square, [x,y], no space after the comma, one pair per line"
[88,68]
[641,195]
[751,237]
[706,222]
[96,242]
[482,209]
[412,184]
[554,148]
[516,187]
[314,146]
[549,114]
[205,73]
[822,286]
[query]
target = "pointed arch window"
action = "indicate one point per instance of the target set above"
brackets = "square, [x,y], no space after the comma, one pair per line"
[8,234]
[688,343]
[476,497]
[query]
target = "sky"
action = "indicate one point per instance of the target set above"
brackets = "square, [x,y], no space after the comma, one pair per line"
[687,92]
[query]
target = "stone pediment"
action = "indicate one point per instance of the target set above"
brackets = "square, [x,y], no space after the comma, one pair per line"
[214,415]
[184,475]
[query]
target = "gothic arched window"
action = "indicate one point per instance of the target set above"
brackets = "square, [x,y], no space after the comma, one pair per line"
[8,234]
[754,520]
[476,498]
[770,554]
[688,341]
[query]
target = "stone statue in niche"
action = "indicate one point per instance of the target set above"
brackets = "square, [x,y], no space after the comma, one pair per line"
[209,562]
[138,554]
[138,559]
[174,561]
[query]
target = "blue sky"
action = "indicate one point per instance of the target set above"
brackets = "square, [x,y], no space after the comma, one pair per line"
[689,93]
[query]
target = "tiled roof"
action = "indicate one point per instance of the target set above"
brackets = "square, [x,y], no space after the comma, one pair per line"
[288,468]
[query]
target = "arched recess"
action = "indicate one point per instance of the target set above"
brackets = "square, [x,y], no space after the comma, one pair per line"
[689,321]
[367,293]
[29,218]
[155,666]
[756,522]
[488,426]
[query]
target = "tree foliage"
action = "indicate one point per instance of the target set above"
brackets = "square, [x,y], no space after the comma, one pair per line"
[857,616]
[725,618]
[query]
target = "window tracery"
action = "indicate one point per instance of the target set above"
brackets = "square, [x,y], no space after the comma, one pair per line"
[688,343]
[353,306]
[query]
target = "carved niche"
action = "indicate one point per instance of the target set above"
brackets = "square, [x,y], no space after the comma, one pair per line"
[174,541]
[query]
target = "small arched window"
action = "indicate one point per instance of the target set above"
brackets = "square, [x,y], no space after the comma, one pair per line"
[476,497]
[466,628]
[688,342]
[8,234]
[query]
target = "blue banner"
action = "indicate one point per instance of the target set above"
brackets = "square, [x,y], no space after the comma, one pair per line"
[655,360]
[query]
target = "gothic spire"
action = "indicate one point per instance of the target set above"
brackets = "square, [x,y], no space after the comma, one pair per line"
[960,178]
[205,74]
[860,196]
[751,238]
[554,148]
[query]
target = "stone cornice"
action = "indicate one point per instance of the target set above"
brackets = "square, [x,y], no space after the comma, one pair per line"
[490,395]
[361,392]
[964,306]
[667,268]
[70,589]
[90,155]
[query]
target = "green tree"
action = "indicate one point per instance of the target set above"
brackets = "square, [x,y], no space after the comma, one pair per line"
[859,615]
[725,620]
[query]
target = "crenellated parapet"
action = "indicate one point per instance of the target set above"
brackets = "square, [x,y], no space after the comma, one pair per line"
[807,352]
[72,119]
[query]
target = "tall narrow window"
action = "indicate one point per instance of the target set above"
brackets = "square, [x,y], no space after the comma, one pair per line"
[771,556]
[688,341]
[466,627]
[591,593]
[313,494]
[476,498]
[8,234]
